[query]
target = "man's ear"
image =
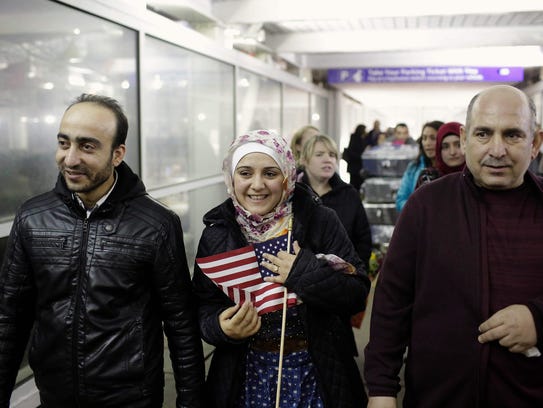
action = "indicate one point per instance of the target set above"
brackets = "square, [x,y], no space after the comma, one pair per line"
[118,154]
[463,137]
[536,144]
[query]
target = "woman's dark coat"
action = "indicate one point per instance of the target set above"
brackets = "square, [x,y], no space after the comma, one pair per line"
[329,299]
[345,200]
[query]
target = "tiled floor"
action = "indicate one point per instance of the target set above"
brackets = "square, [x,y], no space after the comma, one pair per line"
[362,338]
[169,388]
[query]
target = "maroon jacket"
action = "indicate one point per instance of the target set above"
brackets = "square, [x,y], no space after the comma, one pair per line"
[432,295]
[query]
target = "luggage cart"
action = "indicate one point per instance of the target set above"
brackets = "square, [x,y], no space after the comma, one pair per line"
[384,165]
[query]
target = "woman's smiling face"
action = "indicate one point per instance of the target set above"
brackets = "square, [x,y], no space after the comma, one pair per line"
[258,183]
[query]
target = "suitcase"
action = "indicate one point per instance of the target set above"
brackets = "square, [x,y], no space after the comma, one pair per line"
[381,234]
[388,160]
[380,189]
[381,213]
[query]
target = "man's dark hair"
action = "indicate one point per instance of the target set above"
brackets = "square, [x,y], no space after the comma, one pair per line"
[115,107]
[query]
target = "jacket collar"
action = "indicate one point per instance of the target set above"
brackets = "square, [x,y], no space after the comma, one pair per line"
[529,177]
[335,182]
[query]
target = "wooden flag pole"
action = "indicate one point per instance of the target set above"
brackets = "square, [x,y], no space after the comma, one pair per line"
[283,324]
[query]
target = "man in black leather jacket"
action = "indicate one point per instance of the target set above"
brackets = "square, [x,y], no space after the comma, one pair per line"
[96,270]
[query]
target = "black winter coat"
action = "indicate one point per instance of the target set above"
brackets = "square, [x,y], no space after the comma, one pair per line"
[96,292]
[329,299]
[346,201]
[357,145]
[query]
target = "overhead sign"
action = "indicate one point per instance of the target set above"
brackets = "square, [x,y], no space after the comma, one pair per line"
[425,74]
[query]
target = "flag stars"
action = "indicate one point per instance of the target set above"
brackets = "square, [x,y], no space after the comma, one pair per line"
[299,387]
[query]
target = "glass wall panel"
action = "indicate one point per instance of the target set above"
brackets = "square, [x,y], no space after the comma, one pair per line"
[319,114]
[295,110]
[191,207]
[259,102]
[49,54]
[187,114]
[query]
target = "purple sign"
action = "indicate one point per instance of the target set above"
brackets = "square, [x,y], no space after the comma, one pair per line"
[425,74]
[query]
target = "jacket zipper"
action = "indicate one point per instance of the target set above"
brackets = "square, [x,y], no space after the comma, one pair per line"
[77,306]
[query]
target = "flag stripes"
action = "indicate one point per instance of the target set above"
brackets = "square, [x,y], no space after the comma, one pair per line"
[238,275]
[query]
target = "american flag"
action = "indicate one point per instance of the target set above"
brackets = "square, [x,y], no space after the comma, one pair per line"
[271,246]
[239,275]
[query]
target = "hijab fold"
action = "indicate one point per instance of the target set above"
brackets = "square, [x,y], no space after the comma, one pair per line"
[447,129]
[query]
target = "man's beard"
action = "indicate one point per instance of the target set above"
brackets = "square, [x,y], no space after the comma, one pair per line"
[94,181]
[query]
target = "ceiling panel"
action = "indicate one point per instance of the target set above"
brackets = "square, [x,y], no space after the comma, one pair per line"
[319,35]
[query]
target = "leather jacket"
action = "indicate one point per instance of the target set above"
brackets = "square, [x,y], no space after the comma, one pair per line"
[95,294]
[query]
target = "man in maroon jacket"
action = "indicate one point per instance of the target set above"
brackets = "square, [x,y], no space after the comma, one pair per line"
[462,283]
